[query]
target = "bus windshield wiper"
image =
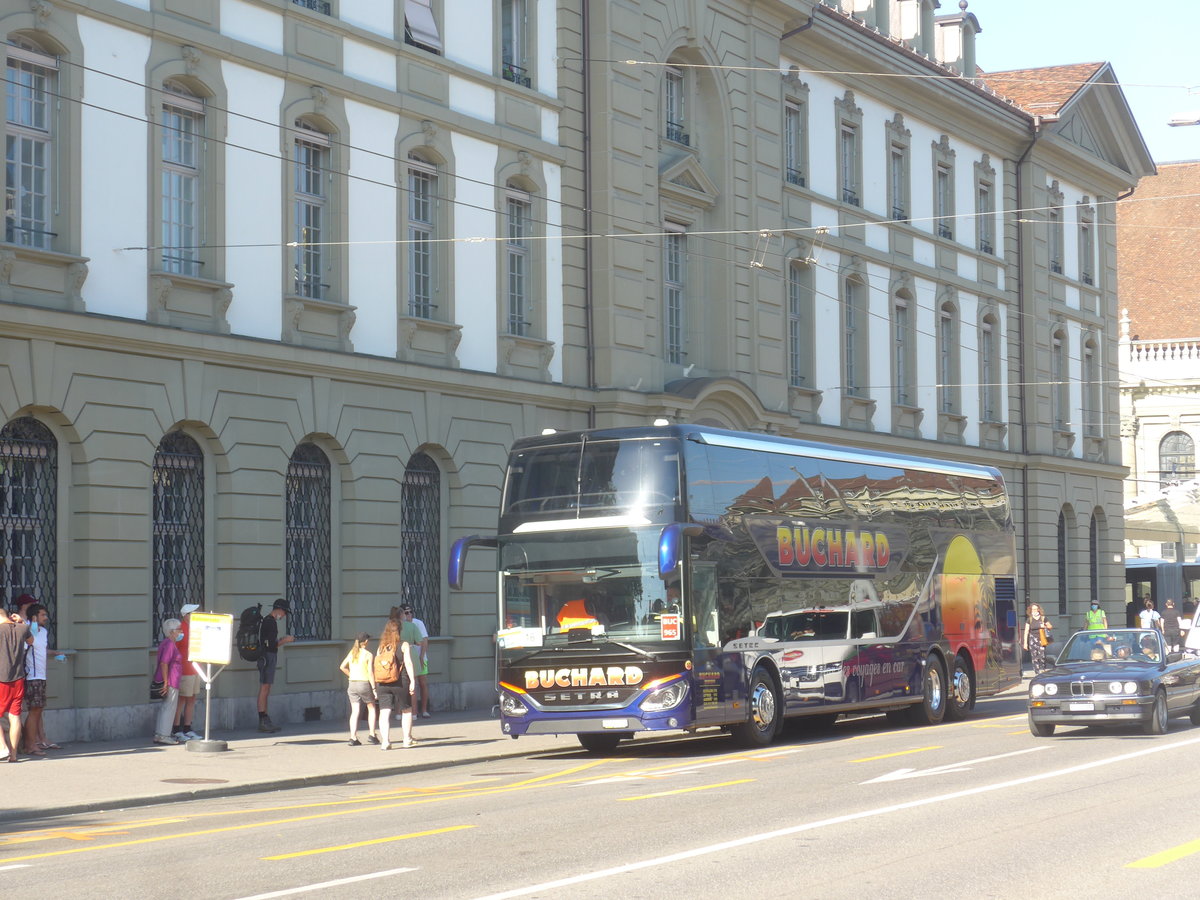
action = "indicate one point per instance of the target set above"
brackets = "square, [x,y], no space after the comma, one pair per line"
[632,648]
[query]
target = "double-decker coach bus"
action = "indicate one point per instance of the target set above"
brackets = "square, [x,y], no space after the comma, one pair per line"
[682,577]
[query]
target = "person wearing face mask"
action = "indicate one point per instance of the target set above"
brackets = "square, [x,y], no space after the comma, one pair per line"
[1095,619]
[169,668]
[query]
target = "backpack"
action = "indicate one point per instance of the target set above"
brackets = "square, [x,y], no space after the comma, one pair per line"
[249,633]
[387,666]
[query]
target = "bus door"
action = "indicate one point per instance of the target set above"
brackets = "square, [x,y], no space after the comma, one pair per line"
[712,685]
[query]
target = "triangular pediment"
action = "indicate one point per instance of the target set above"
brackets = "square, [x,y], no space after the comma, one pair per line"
[1098,121]
[686,181]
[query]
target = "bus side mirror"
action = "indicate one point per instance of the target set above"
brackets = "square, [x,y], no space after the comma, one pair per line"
[458,557]
[670,547]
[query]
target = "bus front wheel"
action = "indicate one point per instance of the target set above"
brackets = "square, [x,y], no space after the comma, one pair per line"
[601,742]
[764,711]
[962,689]
[932,708]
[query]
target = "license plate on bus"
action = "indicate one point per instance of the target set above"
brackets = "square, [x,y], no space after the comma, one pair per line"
[614,723]
[1082,707]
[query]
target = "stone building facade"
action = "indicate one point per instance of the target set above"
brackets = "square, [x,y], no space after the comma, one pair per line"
[281,282]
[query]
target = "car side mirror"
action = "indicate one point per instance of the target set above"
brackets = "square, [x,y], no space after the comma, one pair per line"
[1174,657]
[869,636]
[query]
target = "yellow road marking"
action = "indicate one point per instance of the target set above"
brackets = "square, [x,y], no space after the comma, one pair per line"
[429,790]
[386,840]
[1166,856]
[704,787]
[897,753]
[1022,731]
[572,771]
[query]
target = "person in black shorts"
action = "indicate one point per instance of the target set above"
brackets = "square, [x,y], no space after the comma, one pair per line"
[271,642]
[395,694]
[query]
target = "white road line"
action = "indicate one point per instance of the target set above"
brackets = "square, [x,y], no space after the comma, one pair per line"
[949,767]
[836,820]
[328,884]
[14,866]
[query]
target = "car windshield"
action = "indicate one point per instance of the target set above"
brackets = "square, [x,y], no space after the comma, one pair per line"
[1129,645]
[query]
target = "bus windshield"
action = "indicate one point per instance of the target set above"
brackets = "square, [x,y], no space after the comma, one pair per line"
[586,587]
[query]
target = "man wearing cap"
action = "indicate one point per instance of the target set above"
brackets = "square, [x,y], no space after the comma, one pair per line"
[271,642]
[188,682]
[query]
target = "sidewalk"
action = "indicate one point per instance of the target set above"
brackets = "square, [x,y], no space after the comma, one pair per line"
[86,777]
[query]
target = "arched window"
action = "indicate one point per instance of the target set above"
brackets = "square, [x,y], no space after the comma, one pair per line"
[1176,458]
[421,539]
[1063,573]
[800,323]
[28,513]
[178,528]
[308,543]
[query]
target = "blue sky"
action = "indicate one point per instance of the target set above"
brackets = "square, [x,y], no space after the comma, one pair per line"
[1154,47]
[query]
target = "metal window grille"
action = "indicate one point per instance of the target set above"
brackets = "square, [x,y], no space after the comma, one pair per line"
[28,514]
[28,153]
[310,202]
[674,283]
[181,140]
[307,536]
[178,528]
[421,539]
[797,331]
[517,258]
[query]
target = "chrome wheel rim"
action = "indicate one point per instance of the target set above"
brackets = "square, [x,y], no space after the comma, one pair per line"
[762,707]
[962,685]
[933,680]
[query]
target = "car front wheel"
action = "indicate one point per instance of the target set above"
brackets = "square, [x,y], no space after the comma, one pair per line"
[1040,729]
[1157,723]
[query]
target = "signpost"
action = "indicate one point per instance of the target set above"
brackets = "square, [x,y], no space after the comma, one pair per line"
[210,642]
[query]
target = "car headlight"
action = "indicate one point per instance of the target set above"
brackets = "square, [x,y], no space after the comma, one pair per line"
[1131,687]
[1115,687]
[1051,689]
[1037,690]
[666,697]
[511,706]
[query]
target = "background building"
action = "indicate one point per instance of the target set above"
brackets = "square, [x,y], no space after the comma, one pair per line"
[282,280]
[1160,361]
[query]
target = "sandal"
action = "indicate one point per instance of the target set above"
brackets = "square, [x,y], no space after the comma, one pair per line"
[51,746]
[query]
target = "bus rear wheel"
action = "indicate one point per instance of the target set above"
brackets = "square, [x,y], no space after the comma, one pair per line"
[962,690]
[764,711]
[932,708]
[604,742]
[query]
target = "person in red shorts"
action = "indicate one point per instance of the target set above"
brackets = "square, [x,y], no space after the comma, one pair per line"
[15,640]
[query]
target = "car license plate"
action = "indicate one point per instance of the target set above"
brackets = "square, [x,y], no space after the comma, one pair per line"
[614,723]
[1082,707]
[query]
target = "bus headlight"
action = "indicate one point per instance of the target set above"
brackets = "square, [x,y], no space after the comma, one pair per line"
[511,706]
[667,697]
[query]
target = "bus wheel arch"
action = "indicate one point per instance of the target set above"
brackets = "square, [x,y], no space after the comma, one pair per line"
[764,713]
[962,687]
[932,708]
[601,742]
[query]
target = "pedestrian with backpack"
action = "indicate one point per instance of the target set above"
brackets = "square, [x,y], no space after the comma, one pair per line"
[359,667]
[395,683]
[270,643]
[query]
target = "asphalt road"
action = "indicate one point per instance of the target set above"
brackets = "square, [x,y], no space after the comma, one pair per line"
[977,809]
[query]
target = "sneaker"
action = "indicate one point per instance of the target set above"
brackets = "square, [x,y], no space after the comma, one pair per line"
[165,739]
[425,715]
[371,739]
[267,726]
[192,736]
[408,744]
[385,747]
[354,742]
[180,736]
